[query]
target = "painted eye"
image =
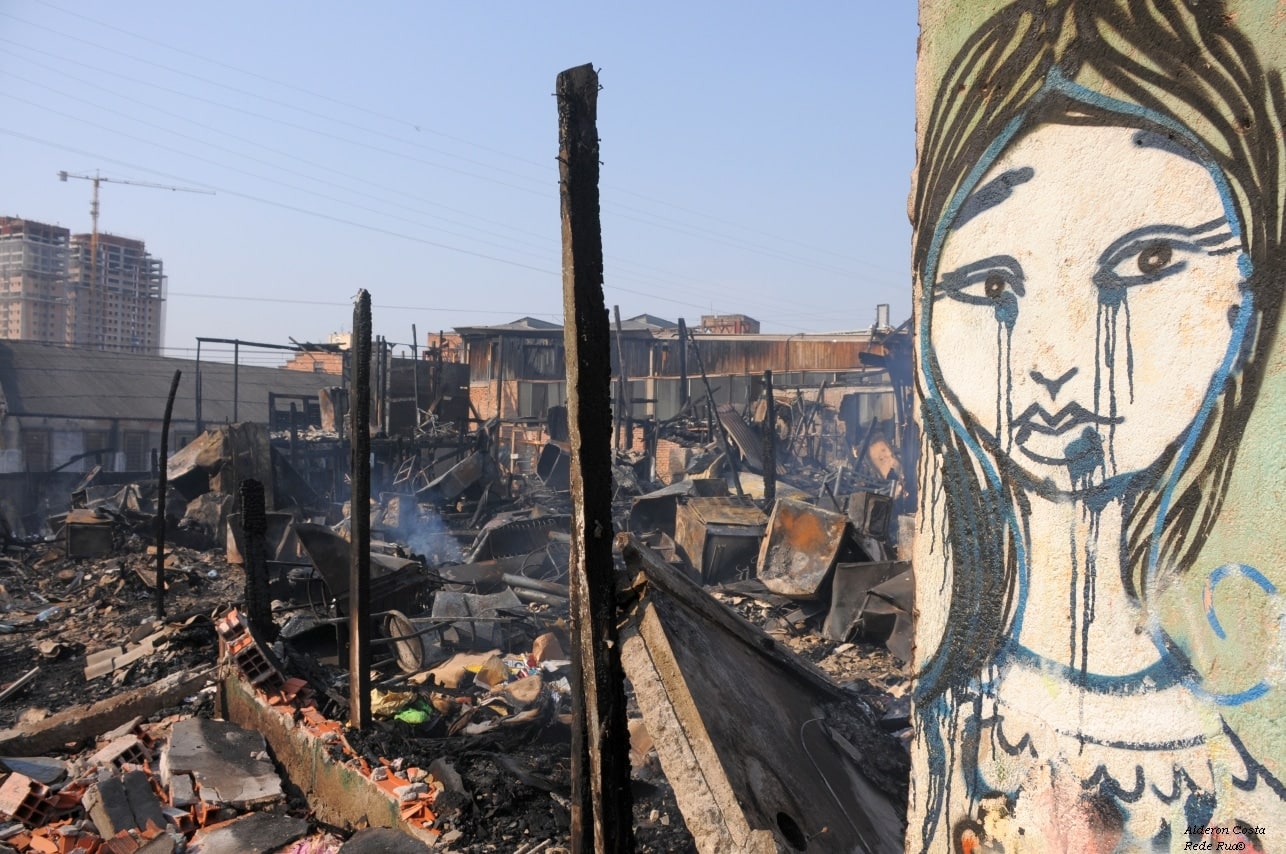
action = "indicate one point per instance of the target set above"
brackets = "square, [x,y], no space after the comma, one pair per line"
[994,286]
[1155,257]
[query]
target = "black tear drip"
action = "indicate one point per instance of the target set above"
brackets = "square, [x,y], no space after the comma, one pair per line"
[1088,597]
[1071,597]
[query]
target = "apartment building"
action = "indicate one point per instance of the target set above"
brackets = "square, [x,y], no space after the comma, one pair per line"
[34,287]
[97,291]
[117,295]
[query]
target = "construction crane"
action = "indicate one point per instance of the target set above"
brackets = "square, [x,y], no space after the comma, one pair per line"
[93,213]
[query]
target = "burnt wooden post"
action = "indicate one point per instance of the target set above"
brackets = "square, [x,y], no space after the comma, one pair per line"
[415,383]
[236,380]
[254,539]
[622,394]
[770,440]
[683,363]
[162,482]
[359,576]
[601,812]
[294,436]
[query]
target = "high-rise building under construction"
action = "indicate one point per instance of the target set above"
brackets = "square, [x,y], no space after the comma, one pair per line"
[118,296]
[104,293]
[34,287]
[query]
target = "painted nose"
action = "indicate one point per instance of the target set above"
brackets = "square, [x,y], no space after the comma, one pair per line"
[1053,386]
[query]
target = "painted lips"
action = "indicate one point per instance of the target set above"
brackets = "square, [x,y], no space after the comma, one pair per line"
[1036,419]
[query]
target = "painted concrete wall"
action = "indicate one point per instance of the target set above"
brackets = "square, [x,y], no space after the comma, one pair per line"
[1098,207]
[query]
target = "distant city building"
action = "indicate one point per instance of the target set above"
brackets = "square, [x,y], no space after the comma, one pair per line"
[118,299]
[52,291]
[34,288]
[728,324]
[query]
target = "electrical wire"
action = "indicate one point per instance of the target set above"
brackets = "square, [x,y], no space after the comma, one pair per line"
[420,127]
[755,247]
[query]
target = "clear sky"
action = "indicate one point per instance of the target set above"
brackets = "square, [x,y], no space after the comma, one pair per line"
[756,156]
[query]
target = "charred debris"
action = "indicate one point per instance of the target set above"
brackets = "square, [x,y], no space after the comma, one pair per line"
[764,603]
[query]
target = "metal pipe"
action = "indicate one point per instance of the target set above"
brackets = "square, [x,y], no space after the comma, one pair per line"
[533,584]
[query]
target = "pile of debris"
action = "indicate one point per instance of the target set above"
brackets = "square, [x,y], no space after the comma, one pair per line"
[793,617]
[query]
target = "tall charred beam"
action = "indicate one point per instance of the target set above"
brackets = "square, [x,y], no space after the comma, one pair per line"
[254,537]
[683,363]
[162,482]
[770,440]
[622,388]
[415,381]
[359,575]
[601,813]
[236,381]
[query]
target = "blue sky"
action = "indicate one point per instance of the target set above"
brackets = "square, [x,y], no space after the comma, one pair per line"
[756,156]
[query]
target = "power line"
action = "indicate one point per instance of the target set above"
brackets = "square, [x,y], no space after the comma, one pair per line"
[687,288]
[417,127]
[275,120]
[250,94]
[367,129]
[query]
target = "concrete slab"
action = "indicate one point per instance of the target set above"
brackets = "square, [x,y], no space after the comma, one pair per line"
[142,800]
[254,833]
[123,803]
[82,722]
[763,751]
[43,769]
[221,757]
[383,840]
[108,807]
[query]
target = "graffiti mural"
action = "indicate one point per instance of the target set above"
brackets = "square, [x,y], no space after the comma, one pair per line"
[1101,664]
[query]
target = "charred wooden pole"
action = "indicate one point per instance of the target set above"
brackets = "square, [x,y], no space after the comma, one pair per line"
[254,539]
[359,575]
[162,481]
[200,424]
[601,812]
[770,440]
[719,430]
[386,386]
[294,436]
[683,363]
[236,380]
[415,381]
[622,395]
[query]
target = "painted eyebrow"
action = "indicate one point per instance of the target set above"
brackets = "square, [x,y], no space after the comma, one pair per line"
[992,193]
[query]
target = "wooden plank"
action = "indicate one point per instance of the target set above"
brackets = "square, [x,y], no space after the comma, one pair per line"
[83,722]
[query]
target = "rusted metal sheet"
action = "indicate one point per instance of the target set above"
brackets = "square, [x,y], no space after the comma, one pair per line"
[764,753]
[719,537]
[802,545]
[871,513]
[848,594]
[395,582]
[88,534]
[554,465]
[741,355]
[739,433]
[656,511]
[886,614]
[477,468]
[510,535]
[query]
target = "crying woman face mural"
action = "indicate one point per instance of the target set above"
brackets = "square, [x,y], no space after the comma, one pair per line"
[1099,259]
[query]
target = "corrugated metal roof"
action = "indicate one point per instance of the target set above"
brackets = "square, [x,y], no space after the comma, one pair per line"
[64,382]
